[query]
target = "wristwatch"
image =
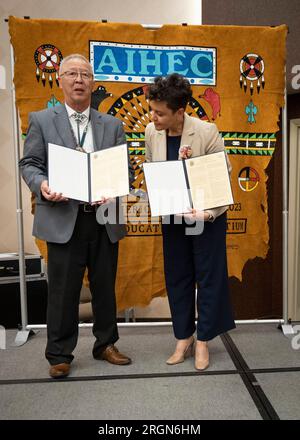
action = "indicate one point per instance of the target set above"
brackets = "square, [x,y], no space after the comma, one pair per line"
[210,218]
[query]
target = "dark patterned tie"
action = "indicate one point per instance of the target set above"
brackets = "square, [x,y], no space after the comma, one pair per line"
[79,118]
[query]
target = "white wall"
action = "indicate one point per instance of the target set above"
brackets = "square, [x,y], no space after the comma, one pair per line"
[130,11]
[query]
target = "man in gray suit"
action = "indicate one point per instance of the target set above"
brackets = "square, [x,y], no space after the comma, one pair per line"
[75,239]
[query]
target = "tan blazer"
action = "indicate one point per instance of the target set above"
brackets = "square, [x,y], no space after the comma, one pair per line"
[202,136]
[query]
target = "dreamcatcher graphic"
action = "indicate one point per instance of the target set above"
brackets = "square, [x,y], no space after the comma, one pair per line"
[252,68]
[47,58]
[132,108]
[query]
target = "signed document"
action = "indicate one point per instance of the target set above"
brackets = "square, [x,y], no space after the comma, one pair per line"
[199,182]
[88,177]
[166,187]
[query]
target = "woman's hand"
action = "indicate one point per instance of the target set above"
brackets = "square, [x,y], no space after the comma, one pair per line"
[104,200]
[196,214]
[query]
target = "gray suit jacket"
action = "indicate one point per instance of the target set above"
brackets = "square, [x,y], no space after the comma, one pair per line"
[55,221]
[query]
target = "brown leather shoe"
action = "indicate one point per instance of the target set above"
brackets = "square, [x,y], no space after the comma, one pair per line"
[111,354]
[59,370]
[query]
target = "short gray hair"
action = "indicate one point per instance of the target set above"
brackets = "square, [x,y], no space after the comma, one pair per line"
[76,56]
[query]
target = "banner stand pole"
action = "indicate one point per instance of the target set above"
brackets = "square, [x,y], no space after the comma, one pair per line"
[23,333]
[286,327]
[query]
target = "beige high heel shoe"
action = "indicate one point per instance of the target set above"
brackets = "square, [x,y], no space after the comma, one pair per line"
[179,356]
[201,356]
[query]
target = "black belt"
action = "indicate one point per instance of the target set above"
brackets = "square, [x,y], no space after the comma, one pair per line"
[86,207]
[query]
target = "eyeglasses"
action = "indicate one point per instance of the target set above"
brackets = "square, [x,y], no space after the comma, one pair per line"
[72,74]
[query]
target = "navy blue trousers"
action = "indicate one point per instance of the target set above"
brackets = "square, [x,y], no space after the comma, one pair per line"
[191,260]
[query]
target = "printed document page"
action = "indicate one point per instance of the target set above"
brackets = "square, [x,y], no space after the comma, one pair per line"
[68,172]
[109,173]
[166,187]
[209,181]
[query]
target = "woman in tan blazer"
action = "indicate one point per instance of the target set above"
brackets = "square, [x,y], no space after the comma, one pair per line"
[190,260]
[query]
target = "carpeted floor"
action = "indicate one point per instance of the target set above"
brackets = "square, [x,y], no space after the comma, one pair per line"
[254,374]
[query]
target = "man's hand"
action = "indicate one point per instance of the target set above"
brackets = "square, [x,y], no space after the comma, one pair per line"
[49,195]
